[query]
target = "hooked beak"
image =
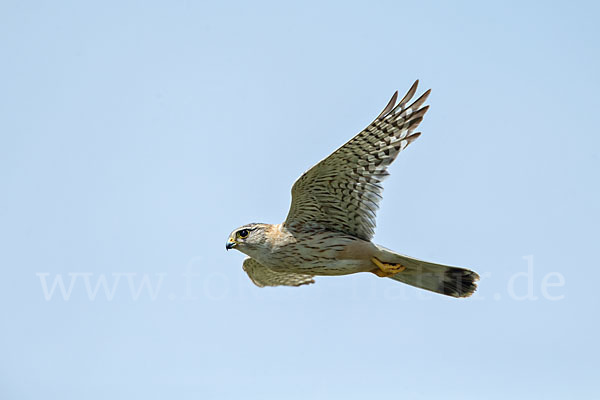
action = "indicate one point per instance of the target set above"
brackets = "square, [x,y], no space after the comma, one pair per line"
[230,244]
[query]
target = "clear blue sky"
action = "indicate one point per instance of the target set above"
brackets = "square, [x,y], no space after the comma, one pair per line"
[134,136]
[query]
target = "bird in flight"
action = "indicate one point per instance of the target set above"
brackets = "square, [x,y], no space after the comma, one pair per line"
[331,220]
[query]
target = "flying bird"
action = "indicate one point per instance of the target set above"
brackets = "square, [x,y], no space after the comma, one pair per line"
[331,220]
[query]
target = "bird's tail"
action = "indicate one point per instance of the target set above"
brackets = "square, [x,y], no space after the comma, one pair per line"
[444,279]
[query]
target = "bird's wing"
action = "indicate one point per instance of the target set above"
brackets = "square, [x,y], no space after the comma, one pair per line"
[342,192]
[263,276]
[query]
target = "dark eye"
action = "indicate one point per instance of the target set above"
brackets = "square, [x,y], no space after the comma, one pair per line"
[243,233]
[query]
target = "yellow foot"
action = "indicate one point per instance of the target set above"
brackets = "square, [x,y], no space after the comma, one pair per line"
[385,269]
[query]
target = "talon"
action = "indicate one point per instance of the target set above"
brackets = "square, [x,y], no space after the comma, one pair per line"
[386,269]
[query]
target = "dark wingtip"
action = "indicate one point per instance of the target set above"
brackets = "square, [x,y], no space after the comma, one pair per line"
[411,92]
[413,137]
[390,106]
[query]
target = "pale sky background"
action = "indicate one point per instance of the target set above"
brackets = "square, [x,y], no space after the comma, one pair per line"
[136,135]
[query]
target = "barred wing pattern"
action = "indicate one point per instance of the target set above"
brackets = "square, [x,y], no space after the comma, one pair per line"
[263,276]
[342,192]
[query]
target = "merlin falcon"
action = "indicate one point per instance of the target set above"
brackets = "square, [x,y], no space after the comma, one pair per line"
[331,220]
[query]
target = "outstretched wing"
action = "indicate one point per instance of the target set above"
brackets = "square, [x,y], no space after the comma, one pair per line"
[263,276]
[342,192]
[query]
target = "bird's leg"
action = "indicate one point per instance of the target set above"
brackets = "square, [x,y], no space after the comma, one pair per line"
[385,269]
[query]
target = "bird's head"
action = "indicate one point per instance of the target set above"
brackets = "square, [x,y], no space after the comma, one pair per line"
[248,238]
